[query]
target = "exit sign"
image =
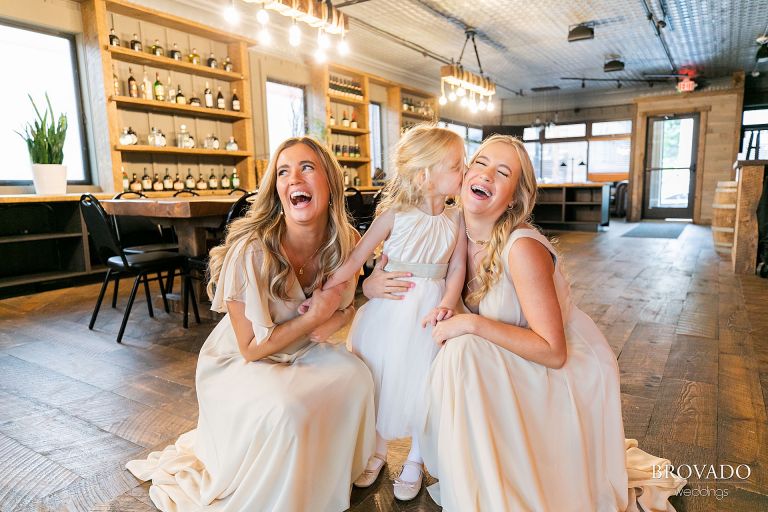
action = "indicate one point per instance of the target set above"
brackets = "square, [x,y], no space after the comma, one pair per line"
[686,85]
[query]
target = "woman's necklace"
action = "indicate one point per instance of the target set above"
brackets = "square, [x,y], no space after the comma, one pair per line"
[481,243]
[300,271]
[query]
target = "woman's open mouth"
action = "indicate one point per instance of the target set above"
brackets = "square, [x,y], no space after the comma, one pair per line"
[300,199]
[480,192]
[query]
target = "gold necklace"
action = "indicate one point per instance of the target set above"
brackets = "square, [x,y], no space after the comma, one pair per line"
[301,268]
[481,243]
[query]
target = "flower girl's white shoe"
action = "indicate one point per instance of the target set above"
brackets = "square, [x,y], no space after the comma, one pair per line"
[370,475]
[405,490]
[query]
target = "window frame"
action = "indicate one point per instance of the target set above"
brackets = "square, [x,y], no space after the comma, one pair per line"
[304,102]
[383,153]
[750,128]
[79,103]
[466,127]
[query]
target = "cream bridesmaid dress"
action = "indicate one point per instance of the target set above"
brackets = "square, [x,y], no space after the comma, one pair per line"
[289,433]
[505,434]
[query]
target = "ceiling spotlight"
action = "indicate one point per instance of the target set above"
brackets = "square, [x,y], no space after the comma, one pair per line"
[613,64]
[581,32]
[294,35]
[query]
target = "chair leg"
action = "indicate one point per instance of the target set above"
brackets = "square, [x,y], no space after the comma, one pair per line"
[149,296]
[185,290]
[194,301]
[128,308]
[101,297]
[114,293]
[169,282]
[162,292]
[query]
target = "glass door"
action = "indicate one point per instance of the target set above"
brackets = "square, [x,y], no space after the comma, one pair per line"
[670,167]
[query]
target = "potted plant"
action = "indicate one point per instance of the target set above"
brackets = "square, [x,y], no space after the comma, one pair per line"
[45,142]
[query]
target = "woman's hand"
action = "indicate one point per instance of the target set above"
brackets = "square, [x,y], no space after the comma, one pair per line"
[453,327]
[386,285]
[437,314]
[338,320]
[304,306]
[325,302]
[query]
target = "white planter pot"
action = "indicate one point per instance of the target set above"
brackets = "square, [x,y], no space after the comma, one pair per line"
[50,179]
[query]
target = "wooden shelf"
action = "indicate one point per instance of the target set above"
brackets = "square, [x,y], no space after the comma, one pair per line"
[148,59]
[583,203]
[39,236]
[166,107]
[349,130]
[352,160]
[169,193]
[416,115]
[6,282]
[172,150]
[343,99]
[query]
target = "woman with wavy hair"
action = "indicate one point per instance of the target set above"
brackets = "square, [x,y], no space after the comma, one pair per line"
[524,408]
[286,421]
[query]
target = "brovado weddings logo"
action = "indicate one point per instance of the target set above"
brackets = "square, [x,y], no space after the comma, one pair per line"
[698,472]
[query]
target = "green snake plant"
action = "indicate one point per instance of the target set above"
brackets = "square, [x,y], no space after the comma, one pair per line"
[45,136]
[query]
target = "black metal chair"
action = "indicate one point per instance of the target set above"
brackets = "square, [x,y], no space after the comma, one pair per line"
[120,264]
[138,235]
[357,208]
[236,190]
[187,191]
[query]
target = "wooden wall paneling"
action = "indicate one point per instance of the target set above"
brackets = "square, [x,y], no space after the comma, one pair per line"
[744,254]
[699,176]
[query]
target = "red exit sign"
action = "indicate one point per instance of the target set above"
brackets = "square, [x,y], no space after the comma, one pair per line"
[686,85]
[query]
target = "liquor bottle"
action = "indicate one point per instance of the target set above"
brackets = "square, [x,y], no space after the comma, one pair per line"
[353,121]
[231,145]
[193,56]
[115,81]
[156,49]
[136,44]
[158,88]
[126,181]
[171,91]
[213,181]
[180,98]
[201,183]
[167,181]
[113,39]
[146,83]
[235,101]
[212,62]
[208,95]
[235,179]
[346,176]
[220,103]
[344,150]
[332,120]
[146,181]
[177,183]
[133,87]
[227,64]
[189,181]
[344,119]
[175,53]
[157,185]
[225,182]
[135,184]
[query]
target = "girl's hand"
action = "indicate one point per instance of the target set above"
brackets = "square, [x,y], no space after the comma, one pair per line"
[333,324]
[325,302]
[386,285]
[453,327]
[304,306]
[438,314]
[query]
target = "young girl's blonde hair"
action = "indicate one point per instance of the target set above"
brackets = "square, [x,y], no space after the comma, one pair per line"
[519,213]
[418,150]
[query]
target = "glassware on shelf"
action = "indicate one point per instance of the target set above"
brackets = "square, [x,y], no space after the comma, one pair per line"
[136,44]
[128,137]
[193,56]
[156,49]
[182,136]
[212,62]
[227,64]
[195,102]
[231,144]
[113,39]
[175,53]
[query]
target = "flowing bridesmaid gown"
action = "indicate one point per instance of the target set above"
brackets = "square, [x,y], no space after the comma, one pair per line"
[506,434]
[288,433]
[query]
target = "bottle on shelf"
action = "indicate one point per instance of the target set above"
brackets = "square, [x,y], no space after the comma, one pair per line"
[235,101]
[135,184]
[344,150]
[353,121]
[213,181]
[231,144]
[133,86]
[180,98]
[167,181]
[201,183]
[175,53]
[227,63]
[146,181]
[212,62]
[208,96]
[177,183]
[189,181]
[157,184]
[158,88]
[115,81]
[171,96]
[146,87]
[134,137]
[235,181]
[125,138]
[136,44]
[193,56]
[194,101]
[225,181]
[181,136]
[126,181]
[220,103]
[344,119]
[113,39]
[156,49]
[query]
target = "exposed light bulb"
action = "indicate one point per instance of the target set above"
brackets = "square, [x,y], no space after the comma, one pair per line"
[264,37]
[464,102]
[472,104]
[323,41]
[320,56]
[489,107]
[481,106]
[452,96]
[262,16]
[442,100]
[294,35]
[343,47]
[461,92]
[231,15]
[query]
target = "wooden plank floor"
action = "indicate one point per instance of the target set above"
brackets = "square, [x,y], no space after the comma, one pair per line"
[691,341]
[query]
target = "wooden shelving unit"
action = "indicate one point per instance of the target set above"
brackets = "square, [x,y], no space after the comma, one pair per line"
[142,114]
[572,206]
[416,107]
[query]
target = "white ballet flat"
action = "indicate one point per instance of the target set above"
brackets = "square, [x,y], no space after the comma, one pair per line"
[370,475]
[405,490]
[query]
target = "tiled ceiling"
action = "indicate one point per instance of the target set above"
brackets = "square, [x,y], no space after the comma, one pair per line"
[523,44]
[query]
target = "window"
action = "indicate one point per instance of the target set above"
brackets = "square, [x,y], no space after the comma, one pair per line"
[285,113]
[609,156]
[564,162]
[534,152]
[472,135]
[531,133]
[564,131]
[23,51]
[612,128]
[753,117]
[377,157]
[754,133]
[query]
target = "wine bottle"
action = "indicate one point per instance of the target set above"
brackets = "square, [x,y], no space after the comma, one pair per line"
[189,181]
[157,185]
[235,179]
[213,181]
[353,121]
[212,62]
[220,104]
[235,101]
[113,39]
[156,49]
[136,44]
[133,86]
[175,53]
[180,98]
[227,64]
[115,81]
[208,95]
[193,56]
[126,181]
[225,182]
[332,120]
[171,91]
[167,181]
[344,119]
[135,184]
[158,88]
[201,183]
[146,181]
[177,183]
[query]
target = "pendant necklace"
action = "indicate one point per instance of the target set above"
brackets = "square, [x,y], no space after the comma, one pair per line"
[301,268]
[481,243]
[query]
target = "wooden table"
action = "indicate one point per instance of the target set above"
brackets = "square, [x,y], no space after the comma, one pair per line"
[190,216]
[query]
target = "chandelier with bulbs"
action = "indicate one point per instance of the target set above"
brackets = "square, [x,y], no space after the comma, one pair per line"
[473,91]
[320,15]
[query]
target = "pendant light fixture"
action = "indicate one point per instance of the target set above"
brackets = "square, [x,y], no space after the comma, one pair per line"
[472,90]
